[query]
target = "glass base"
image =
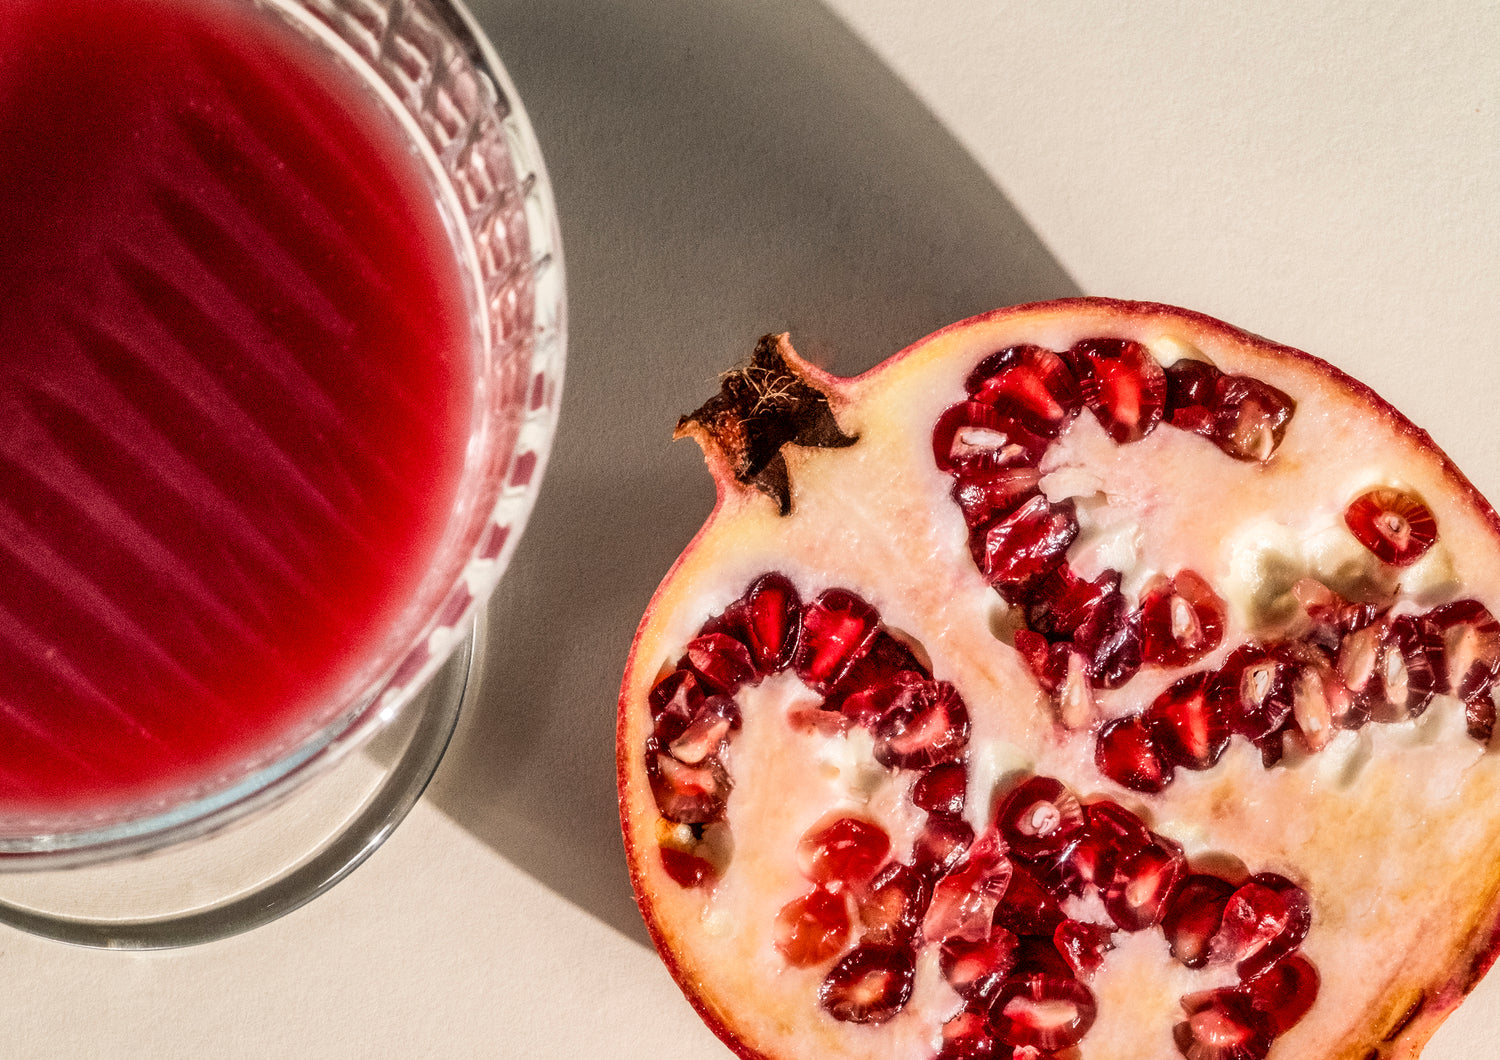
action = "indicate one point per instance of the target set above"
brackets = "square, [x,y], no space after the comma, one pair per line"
[260,868]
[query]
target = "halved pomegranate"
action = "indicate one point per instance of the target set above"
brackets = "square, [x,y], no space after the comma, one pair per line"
[1091,680]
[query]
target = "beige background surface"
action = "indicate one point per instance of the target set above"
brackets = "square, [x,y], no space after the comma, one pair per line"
[859,172]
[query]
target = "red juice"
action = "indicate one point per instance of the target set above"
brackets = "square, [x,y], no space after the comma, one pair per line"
[235,394]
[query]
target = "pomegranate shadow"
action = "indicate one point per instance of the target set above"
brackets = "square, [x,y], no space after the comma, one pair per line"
[722,171]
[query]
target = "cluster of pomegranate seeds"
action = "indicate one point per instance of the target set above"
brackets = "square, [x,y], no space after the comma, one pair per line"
[991,904]
[836,646]
[1085,634]
[1352,665]
[1023,965]
[839,858]
[1242,1022]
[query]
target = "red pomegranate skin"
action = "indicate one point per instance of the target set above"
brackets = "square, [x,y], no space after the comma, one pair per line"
[905,554]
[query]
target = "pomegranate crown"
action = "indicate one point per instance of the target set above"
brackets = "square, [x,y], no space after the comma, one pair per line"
[760,408]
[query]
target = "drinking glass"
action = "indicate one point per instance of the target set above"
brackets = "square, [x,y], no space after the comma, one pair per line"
[291,823]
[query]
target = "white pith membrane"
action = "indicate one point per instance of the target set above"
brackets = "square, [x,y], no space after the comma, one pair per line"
[1385,828]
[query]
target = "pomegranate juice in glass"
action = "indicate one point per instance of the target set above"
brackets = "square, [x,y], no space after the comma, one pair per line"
[280,359]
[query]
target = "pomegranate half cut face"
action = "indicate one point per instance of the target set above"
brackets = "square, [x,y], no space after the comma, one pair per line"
[1091,680]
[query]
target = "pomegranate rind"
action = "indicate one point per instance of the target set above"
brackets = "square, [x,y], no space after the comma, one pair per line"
[1406,914]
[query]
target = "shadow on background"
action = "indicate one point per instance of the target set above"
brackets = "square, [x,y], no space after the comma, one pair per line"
[722,170]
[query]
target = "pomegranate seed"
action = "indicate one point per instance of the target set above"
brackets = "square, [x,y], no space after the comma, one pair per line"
[964,901]
[975,967]
[1109,641]
[693,855]
[1250,417]
[967,1037]
[1031,383]
[892,905]
[988,495]
[1085,863]
[1048,663]
[1083,945]
[1111,832]
[972,437]
[1411,670]
[1360,657]
[1126,754]
[1122,384]
[1194,419]
[1021,548]
[883,658]
[1062,601]
[869,705]
[1190,396]
[1272,747]
[1222,1025]
[1253,691]
[1040,819]
[1077,709]
[869,985]
[1331,617]
[1039,955]
[1393,524]
[942,789]
[1028,908]
[927,723]
[1143,884]
[1043,1011]
[669,728]
[1319,704]
[1182,620]
[888,655]
[1116,825]
[812,929]
[1319,700]
[1264,920]
[773,615]
[1186,726]
[686,870]
[866,694]
[721,662]
[687,794]
[679,694]
[1284,992]
[1479,716]
[837,629]
[705,735]
[1193,916]
[1471,647]
[845,851]
[941,845]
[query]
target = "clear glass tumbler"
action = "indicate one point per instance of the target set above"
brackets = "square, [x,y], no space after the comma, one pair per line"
[295,819]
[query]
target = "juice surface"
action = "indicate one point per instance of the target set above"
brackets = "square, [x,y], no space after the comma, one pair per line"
[234,393]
